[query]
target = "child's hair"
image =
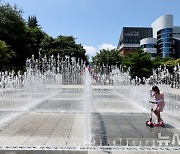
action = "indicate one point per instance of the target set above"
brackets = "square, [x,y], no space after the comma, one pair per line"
[155,88]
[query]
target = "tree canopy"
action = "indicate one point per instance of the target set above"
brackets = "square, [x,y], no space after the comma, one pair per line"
[139,62]
[107,57]
[32,22]
[13,32]
[25,39]
[5,55]
[64,46]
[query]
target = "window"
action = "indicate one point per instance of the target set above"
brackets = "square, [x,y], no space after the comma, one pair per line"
[166,30]
[148,46]
[166,35]
[167,50]
[167,39]
[164,42]
[164,54]
[167,45]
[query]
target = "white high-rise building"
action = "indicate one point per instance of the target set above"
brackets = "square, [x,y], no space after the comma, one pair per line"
[164,39]
[167,36]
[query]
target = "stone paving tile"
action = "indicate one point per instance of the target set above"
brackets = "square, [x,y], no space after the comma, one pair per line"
[14,128]
[78,126]
[40,137]
[51,122]
[84,152]
[122,122]
[131,126]
[32,125]
[144,152]
[66,120]
[133,152]
[64,126]
[76,134]
[75,141]
[96,152]
[20,137]
[130,134]
[70,127]
[57,141]
[60,133]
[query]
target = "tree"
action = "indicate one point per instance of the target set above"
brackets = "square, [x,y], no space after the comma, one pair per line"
[13,32]
[64,46]
[107,57]
[139,62]
[28,39]
[23,39]
[34,37]
[171,63]
[5,55]
[32,22]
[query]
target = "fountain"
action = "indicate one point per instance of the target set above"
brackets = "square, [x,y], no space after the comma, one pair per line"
[79,107]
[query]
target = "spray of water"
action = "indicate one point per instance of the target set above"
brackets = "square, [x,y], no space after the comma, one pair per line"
[88,106]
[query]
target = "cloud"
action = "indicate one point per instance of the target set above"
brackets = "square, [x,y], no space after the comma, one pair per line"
[90,50]
[106,46]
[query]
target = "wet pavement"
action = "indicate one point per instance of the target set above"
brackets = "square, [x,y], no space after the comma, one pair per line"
[63,129]
[60,122]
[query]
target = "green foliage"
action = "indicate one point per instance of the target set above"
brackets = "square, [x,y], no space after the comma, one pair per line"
[107,57]
[13,32]
[34,37]
[64,46]
[139,62]
[28,39]
[32,22]
[5,55]
[171,63]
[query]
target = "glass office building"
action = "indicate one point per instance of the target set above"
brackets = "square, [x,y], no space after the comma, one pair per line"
[163,32]
[130,38]
[163,38]
[149,45]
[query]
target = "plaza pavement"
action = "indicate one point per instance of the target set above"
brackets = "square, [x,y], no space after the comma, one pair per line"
[66,128]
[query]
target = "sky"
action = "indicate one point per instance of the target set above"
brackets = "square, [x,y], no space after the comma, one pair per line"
[96,24]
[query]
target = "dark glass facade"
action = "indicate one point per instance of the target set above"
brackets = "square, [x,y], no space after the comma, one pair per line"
[165,42]
[177,47]
[133,35]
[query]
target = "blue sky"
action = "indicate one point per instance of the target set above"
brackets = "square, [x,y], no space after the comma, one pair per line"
[96,24]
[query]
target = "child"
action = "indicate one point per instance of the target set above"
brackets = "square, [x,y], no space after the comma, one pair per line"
[158,107]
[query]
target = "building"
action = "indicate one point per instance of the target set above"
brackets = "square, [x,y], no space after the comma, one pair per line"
[163,38]
[176,41]
[130,38]
[149,45]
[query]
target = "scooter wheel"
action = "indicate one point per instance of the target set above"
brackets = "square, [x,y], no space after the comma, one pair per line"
[150,124]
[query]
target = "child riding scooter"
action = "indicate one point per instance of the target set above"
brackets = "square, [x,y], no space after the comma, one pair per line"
[158,106]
